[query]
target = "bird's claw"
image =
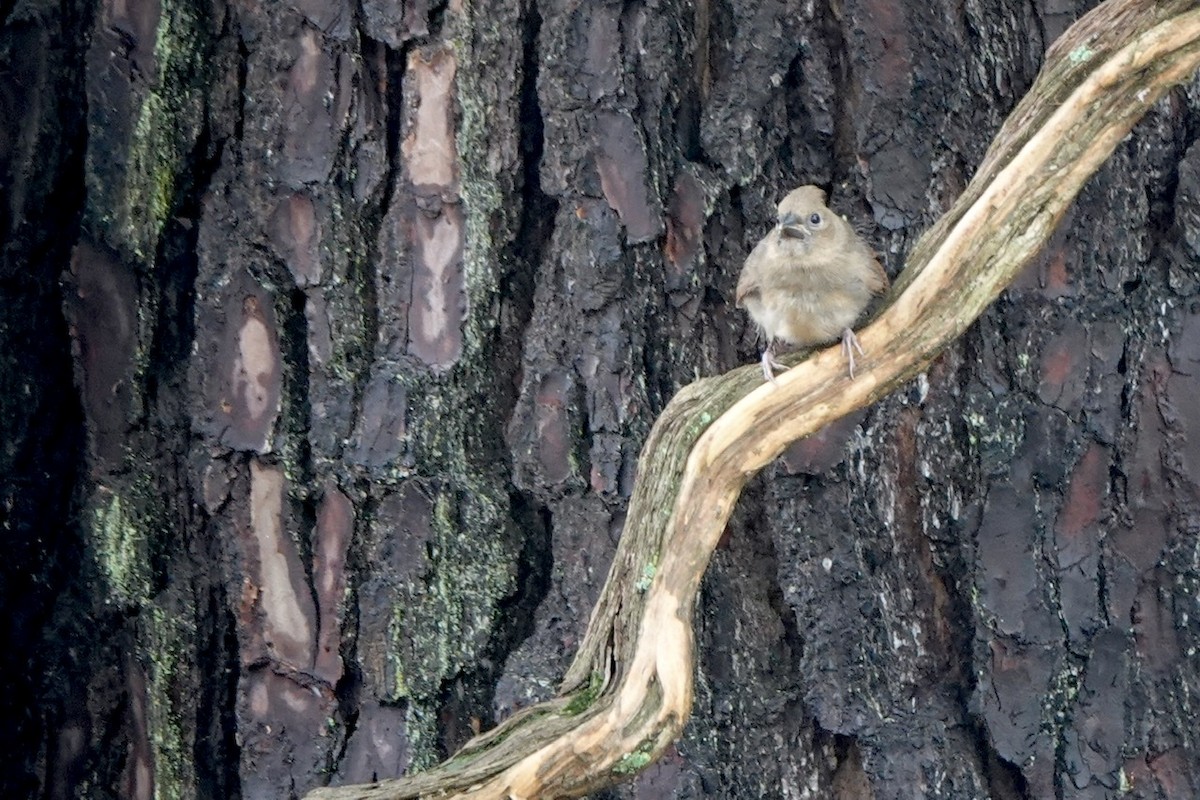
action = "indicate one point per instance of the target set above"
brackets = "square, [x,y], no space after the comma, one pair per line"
[770,364]
[849,345]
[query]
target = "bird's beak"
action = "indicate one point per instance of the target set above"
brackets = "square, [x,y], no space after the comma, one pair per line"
[789,226]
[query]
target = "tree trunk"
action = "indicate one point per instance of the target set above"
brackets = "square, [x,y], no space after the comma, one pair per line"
[332,333]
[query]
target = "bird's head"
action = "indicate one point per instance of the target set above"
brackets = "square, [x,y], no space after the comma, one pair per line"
[803,216]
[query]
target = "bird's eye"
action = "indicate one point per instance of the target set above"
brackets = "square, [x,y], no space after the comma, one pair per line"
[815,219]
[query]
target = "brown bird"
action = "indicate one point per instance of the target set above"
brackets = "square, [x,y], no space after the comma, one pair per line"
[809,279]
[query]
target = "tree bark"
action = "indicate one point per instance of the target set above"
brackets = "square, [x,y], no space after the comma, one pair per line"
[629,691]
[332,332]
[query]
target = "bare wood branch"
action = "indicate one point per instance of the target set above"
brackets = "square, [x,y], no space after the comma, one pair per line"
[628,693]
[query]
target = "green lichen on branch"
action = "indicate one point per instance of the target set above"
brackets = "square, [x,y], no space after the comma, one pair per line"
[648,573]
[636,761]
[584,698]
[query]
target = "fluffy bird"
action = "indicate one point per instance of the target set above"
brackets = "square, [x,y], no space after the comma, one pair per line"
[809,279]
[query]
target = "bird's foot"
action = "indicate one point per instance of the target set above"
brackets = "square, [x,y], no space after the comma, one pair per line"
[770,364]
[849,345]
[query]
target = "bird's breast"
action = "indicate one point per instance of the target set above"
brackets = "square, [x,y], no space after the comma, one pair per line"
[806,317]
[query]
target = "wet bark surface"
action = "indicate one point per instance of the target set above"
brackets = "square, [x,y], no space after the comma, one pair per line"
[332,331]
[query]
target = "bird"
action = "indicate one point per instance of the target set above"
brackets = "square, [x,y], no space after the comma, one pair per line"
[809,279]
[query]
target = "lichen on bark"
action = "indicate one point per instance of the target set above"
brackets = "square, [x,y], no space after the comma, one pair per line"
[129,213]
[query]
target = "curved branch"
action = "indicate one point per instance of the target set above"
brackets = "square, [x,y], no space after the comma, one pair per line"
[628,693]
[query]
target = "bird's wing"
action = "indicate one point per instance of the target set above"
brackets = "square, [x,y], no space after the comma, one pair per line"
[878,281]
[747,285]
[750,282]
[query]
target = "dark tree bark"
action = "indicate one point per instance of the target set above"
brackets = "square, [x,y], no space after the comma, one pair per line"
[332,332]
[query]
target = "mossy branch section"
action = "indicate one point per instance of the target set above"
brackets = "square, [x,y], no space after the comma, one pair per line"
[1099,80]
